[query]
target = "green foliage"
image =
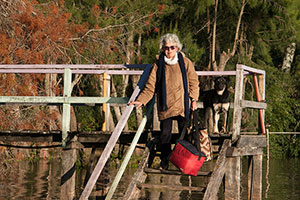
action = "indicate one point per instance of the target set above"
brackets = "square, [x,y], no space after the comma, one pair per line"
[108,31]
[89,118]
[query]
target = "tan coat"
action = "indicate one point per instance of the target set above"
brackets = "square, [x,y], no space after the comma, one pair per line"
[174,88]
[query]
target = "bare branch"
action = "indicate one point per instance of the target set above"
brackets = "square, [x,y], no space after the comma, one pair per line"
[112,26]
[238,28]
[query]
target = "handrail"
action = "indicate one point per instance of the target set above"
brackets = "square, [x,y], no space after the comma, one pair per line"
[114,137]
[74,66]
[130,151]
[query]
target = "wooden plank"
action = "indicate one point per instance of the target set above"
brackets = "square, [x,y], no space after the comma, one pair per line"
[60,100]
[105,106]
[261,121]
[113,139]
[75,66]
[107,151]
[232,178]
[237,110]
[255,178]
[24,138]
[244,151]
[170,187]
[129,152]
[253,104]
[252,141]
[173,172]
[66,115]
[262,89]
[218,173]
[251,69]
[218,73]
[132,192]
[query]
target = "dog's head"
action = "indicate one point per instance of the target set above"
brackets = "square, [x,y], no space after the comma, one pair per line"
[220,83]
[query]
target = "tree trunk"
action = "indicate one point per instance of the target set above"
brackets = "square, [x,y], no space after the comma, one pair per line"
[135,79]
[288,59]
[114,94]
[55,123]
[213,52]
[225,56]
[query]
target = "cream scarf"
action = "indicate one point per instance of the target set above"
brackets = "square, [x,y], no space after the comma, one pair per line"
[170,61]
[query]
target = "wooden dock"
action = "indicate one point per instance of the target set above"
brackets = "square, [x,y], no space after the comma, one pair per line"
[229,148]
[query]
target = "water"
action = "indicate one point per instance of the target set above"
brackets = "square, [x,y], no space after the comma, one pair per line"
[41,180]
[284,179]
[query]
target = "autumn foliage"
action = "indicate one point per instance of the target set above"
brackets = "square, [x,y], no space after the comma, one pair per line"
[53,32]
[33,35]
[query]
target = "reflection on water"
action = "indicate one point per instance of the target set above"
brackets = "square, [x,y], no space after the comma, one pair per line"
[284,179]
[41,180]
[31,180]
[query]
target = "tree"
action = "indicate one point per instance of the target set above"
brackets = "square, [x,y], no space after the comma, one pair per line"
[34,37]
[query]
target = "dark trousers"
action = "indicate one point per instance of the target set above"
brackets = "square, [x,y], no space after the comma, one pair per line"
[165,137]
[166,128]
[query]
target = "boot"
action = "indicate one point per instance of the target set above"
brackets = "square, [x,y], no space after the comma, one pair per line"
[165,153]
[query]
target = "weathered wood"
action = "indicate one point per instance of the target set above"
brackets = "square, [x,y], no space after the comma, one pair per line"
[262,89]
[252,141]
[170,187]
[218,173]
[132,192]
[173,172]
[253,104]
[105,106]
[41,100]
[251,69]
[255,178]
[218,73]
[129,153]
[107,151]
[113,139]
[75,66]
[237,110]
[68,172]
[232,178]
[244,151]
[261,120]
[66,115]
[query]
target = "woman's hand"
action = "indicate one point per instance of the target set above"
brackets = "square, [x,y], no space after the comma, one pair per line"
[137,104]
[194,105]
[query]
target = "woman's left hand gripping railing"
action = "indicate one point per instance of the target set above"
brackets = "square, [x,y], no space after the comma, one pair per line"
[115,136]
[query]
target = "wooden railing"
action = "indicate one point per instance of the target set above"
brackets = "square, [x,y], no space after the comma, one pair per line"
[232,163]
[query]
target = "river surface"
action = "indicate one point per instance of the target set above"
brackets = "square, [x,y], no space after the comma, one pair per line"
[41,180]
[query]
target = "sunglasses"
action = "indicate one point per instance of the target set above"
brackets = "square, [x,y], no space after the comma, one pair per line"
[166,48]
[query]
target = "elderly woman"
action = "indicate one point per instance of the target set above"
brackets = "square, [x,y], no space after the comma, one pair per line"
[174,79]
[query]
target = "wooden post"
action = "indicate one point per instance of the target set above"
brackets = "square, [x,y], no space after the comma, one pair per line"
[259,90]
[105,107]
[233,178]
[255,178]
[218,173]
[233,164]
[237,110]
[262,89]
[68,171]
[66,116]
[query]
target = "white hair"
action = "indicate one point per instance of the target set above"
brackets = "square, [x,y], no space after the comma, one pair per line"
[170,38]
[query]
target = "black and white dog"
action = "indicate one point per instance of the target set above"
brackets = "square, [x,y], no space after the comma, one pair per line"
[215,102]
